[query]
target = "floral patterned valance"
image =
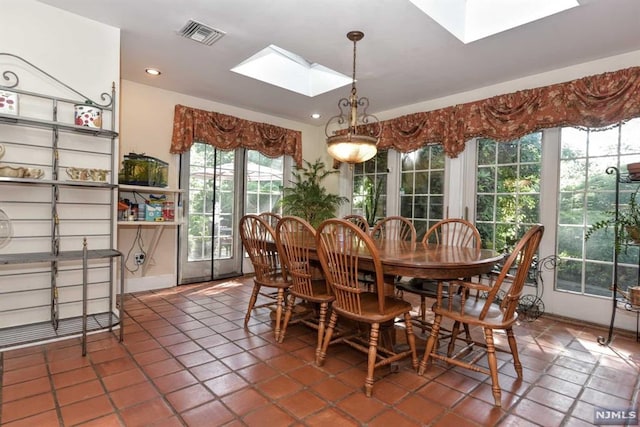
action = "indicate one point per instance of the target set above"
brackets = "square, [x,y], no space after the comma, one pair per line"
[593,101]
[227,133]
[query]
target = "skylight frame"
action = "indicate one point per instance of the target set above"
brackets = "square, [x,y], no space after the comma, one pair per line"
[287,70]
[472,20]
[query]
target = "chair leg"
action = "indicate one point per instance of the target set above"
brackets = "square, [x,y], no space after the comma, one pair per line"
[455,330]
[327,339]
[513,345]
[371,362]
[279,304]
[467,332]
[423,313]
[252,302]
[411,340]
[433,337]
[324,307]
[493,366]
[291,300]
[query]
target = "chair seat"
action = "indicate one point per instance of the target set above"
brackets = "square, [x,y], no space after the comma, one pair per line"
[320,292]
[472,309]
[393,308]
[274,280]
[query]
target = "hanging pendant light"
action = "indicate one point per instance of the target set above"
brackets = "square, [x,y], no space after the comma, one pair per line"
[356,143]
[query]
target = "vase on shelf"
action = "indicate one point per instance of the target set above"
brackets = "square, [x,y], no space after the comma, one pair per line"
[88,115]
[8,102]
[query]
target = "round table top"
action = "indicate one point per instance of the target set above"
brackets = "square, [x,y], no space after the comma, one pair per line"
[430,261]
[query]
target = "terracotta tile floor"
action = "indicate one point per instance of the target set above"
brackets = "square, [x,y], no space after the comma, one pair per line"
[187,360]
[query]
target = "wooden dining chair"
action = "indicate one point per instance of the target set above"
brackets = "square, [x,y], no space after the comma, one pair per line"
[296,239]
[394,228]
[359,220]
[447,232]
[341,247]
[487,312]
[259,241]
[271,218]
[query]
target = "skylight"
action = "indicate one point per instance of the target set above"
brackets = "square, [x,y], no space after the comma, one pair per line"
[471,20]
[289,71]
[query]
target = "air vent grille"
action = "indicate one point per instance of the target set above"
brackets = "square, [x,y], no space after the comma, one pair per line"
[201,33]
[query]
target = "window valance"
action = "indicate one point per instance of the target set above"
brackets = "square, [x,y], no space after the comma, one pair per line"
[593,101]
[227,133]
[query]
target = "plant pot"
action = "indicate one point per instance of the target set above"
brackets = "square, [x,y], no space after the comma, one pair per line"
[88,116]
[632,294]
[633,233]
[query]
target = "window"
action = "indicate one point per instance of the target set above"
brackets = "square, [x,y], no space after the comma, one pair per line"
[422,187]
[264,183]
[370,187]
[507,189]
[586,192]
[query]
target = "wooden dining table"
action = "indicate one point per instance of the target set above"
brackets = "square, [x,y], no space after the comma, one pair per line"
[426,260]
[431,261]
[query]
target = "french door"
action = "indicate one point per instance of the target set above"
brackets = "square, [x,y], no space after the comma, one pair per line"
[221,186]
[208,246]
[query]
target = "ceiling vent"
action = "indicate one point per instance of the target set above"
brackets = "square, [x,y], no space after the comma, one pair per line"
[201,33]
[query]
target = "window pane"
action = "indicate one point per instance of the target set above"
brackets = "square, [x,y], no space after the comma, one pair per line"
[571,211]
[486,152]
[486,180]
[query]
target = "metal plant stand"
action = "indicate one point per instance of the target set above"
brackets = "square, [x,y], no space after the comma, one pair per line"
[618,300]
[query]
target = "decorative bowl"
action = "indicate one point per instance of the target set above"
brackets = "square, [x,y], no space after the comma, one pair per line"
[12,171]
[87,174]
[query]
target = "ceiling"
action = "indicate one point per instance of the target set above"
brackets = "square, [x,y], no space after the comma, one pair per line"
[404,58]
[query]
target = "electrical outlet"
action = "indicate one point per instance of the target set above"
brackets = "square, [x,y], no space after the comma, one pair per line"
[139,258]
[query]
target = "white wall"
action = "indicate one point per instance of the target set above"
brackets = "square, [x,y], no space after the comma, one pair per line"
[58,42]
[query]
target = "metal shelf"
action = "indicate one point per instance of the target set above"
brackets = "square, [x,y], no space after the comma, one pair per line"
[145,189]
[62,142]
[147,223]
[66,183]
[25,258]
[48,124]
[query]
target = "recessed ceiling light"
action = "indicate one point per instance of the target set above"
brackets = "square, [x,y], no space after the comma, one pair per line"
[471,20]
[153,71]
[315,116]
[287,70]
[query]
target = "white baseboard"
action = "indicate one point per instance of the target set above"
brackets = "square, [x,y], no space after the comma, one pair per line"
[149,283]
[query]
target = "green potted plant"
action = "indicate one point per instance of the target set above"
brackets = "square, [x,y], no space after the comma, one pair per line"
[307,198]
[627,220]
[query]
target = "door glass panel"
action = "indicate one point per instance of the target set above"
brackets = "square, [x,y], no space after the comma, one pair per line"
[211,190]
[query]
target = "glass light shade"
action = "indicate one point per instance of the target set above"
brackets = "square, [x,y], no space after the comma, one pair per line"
[352,148]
